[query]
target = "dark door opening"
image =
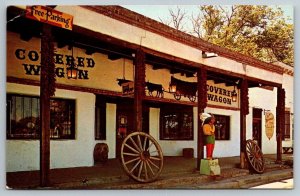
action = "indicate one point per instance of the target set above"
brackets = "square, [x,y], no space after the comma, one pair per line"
[125,122]
[256,126]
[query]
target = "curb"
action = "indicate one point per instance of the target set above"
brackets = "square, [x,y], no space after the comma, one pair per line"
[249,181]
[167,180]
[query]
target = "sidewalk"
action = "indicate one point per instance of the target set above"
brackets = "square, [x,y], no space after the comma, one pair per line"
[177,172]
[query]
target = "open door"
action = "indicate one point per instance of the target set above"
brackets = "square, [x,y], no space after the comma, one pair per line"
[125,122]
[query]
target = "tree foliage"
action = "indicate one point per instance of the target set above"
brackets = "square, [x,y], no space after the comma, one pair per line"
[258,31]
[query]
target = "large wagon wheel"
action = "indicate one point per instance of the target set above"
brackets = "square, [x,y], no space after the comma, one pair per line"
[142,157]
[255,156]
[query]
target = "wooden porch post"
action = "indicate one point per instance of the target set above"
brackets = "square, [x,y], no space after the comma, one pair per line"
[47,89]
[202,103]
[139,88]
[244,110]
[280,120]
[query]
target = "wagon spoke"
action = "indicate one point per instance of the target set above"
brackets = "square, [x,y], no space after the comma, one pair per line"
[136,147]
[139,142]
[135,166]
[147,162]
[153,164]
[146,172]
[155,158]
[140,169]
[145,142]
[132,160]
[134,150]
[131,154]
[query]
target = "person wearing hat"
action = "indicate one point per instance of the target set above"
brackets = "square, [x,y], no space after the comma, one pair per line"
[209,134]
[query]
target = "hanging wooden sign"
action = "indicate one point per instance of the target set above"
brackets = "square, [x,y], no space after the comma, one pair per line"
[50,16]
[269,117]
[127,86]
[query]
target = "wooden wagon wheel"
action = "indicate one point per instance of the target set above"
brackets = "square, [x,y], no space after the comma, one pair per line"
[255,156]
[142,157]
[177,96]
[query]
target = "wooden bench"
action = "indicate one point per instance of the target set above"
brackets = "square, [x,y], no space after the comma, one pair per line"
[287,150]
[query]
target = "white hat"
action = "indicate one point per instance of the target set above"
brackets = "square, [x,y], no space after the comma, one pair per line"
[204,116]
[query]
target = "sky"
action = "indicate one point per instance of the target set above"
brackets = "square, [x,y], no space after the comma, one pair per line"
[162,11]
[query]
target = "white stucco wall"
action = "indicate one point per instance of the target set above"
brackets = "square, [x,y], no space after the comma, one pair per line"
[222,148]
[263,99]
[23,155]
[171,147]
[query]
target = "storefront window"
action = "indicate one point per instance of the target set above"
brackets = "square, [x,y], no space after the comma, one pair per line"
[222,127]
[23,118]
[176,123]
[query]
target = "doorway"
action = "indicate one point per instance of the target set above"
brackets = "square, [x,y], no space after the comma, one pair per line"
[125,122]
[256,126]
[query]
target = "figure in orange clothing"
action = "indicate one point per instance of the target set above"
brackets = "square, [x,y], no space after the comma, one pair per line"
[209,134]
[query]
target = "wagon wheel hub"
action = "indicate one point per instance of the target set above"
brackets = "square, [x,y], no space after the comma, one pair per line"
[145,155]
[257,155]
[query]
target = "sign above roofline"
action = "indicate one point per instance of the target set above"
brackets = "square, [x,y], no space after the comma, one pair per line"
[48,15]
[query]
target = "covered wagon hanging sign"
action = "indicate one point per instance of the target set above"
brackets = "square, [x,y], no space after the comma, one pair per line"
[269,124]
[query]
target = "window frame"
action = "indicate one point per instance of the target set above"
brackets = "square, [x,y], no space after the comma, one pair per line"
[179,111]
[227,121]
[71,102]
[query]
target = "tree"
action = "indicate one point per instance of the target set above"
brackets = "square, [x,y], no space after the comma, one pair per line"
[258,31]
[177,20]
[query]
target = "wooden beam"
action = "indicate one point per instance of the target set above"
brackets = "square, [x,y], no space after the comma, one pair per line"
[202,103]
[139,88]
[280,120]
[45,111]
[243,112]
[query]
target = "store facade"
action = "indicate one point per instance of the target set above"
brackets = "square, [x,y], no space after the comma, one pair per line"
[99,106]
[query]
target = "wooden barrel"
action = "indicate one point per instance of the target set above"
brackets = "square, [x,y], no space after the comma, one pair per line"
[100,153]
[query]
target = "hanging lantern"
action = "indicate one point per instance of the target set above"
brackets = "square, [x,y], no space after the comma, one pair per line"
[72,72]
[234,95]
[72,69]
[172,88]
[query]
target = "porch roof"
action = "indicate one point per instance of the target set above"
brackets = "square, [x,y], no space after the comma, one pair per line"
[232,67]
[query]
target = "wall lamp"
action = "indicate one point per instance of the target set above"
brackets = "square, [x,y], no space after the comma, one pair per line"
[208,54]
[234,95]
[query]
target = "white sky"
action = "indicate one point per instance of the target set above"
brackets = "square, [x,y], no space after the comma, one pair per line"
[162,11]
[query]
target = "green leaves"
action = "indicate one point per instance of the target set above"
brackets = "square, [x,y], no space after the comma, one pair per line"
[258,31]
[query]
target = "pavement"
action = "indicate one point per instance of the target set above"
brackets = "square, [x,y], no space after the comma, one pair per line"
[177,173]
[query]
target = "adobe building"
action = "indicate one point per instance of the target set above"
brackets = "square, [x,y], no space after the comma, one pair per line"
[136,74]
